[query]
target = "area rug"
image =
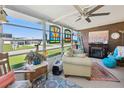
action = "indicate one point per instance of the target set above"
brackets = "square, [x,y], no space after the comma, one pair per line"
[102,74]
[54,82]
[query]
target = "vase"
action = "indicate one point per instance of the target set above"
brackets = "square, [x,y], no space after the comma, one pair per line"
[36,62]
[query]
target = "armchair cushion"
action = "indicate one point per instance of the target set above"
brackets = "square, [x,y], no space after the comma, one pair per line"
[80,55]
[7,79]
[74,52]
[77,61]
[77,51]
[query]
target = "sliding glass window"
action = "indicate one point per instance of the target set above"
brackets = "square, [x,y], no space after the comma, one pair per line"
[20,37]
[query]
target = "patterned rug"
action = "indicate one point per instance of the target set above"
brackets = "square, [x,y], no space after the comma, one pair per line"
[54,82]
[101,74]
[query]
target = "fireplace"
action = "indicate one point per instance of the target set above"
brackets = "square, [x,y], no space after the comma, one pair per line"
[98,50]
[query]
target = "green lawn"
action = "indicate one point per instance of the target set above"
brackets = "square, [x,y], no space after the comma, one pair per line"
[25,47]
[54,51]
[14,60]
[8,47]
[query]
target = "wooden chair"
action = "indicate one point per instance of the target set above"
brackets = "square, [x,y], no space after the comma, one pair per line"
[5,69]
[4,64]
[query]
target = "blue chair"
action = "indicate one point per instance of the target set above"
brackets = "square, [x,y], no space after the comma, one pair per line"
[111,60]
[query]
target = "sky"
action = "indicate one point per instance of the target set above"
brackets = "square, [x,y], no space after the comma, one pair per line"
[20,32]
[23,32]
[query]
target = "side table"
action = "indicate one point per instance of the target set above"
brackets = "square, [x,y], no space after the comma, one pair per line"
[38,71]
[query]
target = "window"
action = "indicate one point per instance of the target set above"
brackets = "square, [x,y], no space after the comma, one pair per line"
[19,38]
[67,35]
[75,36]
[54,34]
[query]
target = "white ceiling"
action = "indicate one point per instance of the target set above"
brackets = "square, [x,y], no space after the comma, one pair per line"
[67,14]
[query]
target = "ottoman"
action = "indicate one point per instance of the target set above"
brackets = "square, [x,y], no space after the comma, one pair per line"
[109,62]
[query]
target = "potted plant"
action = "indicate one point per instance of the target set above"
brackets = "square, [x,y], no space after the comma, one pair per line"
[35,58]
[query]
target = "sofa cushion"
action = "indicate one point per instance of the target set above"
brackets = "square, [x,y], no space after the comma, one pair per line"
[20,84]
[7,79]
[77,51]
[80,55]
[77,61]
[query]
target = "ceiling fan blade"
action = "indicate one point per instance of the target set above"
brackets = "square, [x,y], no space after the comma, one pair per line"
[99,14]
[95,9]
[88,19]
[78,19]
[77,7]
[5,12]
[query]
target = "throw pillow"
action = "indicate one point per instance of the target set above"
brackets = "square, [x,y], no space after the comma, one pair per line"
[7,79]
[77,51]
[70,53]
[120,51]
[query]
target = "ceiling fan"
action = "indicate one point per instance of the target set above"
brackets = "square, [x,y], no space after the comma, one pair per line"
[88,12]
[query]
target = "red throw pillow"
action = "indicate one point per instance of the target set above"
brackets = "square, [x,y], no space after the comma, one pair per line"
[7,79]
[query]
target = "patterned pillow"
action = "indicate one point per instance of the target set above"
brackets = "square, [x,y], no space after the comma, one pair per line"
[120,51]
[70,53]
[7,79]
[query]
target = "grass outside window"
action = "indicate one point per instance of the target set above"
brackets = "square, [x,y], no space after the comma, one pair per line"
[8,47]
[19,59]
